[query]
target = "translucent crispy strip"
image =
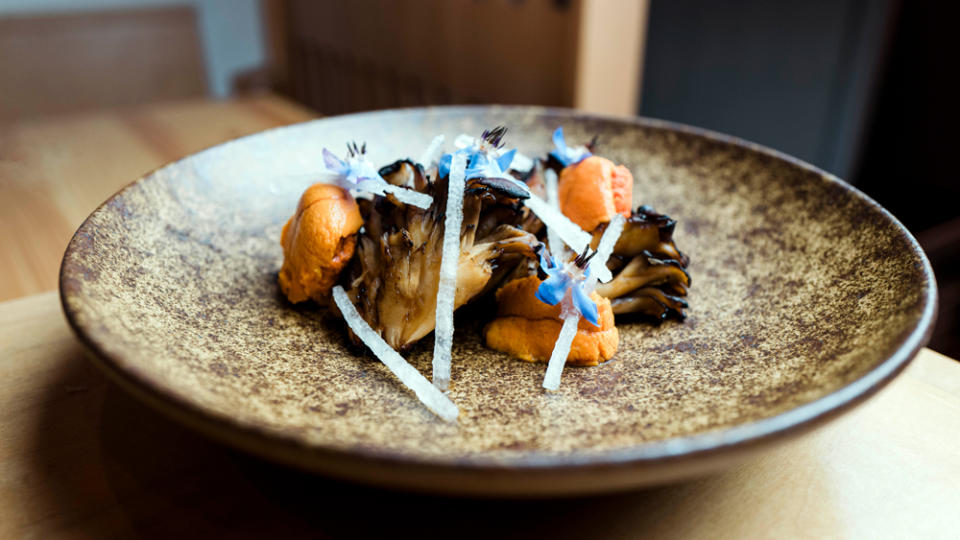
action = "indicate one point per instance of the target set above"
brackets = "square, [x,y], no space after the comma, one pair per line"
[598,264]
[433,152]
[569,314]
[568,231]
[428,394]
[449,262]
[521,163]
[551,381]
[408,196]
[553,199]
[376,187]
[463,140]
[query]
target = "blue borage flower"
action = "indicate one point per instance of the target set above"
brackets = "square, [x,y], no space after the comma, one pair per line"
[570,277]
[355,169]
[356,172]
[565,154]
[482,159]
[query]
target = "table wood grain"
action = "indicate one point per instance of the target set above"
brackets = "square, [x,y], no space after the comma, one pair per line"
[80,458]
[54,171]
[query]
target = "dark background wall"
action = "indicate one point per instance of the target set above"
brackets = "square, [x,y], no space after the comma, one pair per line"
[796,76]
[861,88]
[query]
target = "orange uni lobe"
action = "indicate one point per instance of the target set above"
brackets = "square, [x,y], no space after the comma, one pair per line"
[527,328]
[318,242]
[591,191]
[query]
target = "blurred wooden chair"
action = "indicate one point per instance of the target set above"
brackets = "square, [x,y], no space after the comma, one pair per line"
[341,56]
[66,62]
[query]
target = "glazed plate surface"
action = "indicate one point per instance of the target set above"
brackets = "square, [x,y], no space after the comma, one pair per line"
[806,298]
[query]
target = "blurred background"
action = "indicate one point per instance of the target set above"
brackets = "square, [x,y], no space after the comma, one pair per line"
[108,89]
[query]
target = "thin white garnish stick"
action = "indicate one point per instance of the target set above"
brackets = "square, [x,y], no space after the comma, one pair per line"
[561,349]
[569,232]
[598,264]
[464,141]
[428,394]
[449,262]
[521,163]
[433,152]
[553,199]
[408,196]
[570,316]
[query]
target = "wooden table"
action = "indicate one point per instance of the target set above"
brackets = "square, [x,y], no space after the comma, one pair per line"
[55,171]
[80,458]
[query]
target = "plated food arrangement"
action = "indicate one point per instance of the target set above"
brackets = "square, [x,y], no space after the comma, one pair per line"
[423,238]
[807,298]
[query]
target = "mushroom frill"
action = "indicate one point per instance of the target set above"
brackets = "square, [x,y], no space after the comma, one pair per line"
[393,278]
[391,274]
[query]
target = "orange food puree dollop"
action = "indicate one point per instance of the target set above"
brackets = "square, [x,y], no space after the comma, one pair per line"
[592,191]
[527,328]
[318,241]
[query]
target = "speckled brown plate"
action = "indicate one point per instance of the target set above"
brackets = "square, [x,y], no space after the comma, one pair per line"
[807,297]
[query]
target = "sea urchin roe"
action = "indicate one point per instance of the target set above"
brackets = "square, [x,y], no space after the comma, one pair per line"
[593,190]
[318,241]
[527,328]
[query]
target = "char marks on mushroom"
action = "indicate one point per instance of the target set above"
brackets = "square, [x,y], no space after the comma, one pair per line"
[393,278]
[376,239]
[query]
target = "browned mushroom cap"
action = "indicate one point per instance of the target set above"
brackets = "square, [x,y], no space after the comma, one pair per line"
[646,230]
[405,173]
[644,271]
[650,274]
[651,302]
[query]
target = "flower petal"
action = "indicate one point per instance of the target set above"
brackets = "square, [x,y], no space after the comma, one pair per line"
[366,170]
[332,161]
[558,139]
[564,154]
[580,155]
[551,290]
[506,159]
[443,166]
[584,304]
[547,262]
[482,167]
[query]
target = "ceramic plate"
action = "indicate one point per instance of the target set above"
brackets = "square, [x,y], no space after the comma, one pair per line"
[806,298]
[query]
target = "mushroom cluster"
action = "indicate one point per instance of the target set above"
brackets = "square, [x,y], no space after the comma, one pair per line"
[415,240]
[394,276]
[650,273]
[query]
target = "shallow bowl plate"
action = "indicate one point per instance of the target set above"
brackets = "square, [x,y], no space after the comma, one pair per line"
[807,297]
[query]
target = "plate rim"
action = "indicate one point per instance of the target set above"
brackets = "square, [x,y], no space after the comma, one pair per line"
[278,446]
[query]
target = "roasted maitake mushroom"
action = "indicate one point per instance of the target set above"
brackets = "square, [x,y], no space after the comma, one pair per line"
[394,276]
[650,276]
